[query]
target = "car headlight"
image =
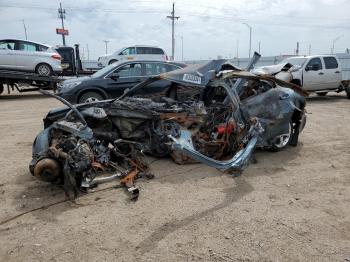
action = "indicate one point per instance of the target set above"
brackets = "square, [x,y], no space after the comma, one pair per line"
[65,87]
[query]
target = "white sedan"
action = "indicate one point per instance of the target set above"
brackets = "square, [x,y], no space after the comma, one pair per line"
[29,56]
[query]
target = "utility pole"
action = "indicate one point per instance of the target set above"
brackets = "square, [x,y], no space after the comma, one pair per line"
[297,50]
[62,16]
[237,47]
[250,37]
[259,47]
[309,49]
[83,54]
[88,51]
[173,17]
[106,43]
[25,30]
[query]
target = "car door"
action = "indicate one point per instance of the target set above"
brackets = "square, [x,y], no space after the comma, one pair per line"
[27,55]
[332,72]
[153,69]
[7,54]
[127,54]
[313,75]
[123,77]
[270,106]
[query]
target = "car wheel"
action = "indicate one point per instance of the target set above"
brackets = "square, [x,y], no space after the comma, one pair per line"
[281,141]
[43,70]
[1,88]
[322,93]
[347,90]
[90,97]
[112,61]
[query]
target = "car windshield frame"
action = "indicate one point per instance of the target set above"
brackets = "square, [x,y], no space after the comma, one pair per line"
[102,72]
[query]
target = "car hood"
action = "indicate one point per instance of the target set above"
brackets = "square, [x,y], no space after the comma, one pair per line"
[76,79]
[199,74]
[104,56]
[272,69]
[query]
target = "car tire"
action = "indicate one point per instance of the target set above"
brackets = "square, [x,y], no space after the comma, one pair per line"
[112,61]
[90,97]
[347,90]
[44,69]
[282,141]
[1,88]
[322,93]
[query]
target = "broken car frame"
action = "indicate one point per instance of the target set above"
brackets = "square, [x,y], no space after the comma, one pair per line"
[215,113]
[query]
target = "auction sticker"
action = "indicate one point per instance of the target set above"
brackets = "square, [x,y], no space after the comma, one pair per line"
[192,79]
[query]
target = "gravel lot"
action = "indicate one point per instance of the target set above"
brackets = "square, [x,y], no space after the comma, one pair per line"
[292,205]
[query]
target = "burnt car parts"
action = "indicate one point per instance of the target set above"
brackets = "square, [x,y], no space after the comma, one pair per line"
[201,117]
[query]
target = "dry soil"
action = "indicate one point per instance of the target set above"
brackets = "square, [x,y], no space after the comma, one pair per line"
[292,205]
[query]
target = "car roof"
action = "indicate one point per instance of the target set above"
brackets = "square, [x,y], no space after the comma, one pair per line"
[13,39]
[145,46]
[150,60]
[310,56]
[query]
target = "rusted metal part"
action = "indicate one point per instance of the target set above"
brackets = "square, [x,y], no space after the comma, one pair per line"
[59,153]
[98,167]
[128,182]
[47,169]
[182,118]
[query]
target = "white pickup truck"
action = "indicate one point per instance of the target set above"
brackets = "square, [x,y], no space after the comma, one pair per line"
[320,74]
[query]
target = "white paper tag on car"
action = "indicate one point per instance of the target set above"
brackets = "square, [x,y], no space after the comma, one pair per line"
[192,79]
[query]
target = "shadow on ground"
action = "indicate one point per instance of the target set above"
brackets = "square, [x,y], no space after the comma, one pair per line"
[23,96]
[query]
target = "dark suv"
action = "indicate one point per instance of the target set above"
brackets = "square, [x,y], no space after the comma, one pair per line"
[111,81]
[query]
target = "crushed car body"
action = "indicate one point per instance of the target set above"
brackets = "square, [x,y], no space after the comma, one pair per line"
[215,113]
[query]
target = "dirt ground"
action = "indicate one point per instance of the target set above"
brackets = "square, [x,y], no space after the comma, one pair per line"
[292,205]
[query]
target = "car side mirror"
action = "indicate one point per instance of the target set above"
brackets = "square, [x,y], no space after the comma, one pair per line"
[114,76]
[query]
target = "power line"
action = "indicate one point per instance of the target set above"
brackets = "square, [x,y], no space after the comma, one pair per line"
[187,14]
[94,9]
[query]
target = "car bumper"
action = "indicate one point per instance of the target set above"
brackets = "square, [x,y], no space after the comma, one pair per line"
[56,68]
[70,97]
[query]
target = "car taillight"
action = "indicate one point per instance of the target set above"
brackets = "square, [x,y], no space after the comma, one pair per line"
[56,56]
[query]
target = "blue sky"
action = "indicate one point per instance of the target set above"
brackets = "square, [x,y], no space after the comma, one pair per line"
[209,28]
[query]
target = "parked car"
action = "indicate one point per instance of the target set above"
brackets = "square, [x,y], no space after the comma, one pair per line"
[29,56]
[318,73]
[112,80]
[133,53]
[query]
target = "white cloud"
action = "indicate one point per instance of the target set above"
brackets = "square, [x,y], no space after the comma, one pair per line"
[208,29]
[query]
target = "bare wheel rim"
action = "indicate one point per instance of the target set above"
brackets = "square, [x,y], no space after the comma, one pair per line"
[282,140]
[91,99]
[43,70]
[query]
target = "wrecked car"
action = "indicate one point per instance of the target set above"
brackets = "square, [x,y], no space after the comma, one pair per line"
[215,113]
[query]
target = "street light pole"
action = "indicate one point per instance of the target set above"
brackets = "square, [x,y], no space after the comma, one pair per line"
[25,30]
[250,37]
[106,43]
[182,48]
[334,40]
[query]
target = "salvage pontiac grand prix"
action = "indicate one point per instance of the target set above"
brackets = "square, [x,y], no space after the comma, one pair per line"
[215,113]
